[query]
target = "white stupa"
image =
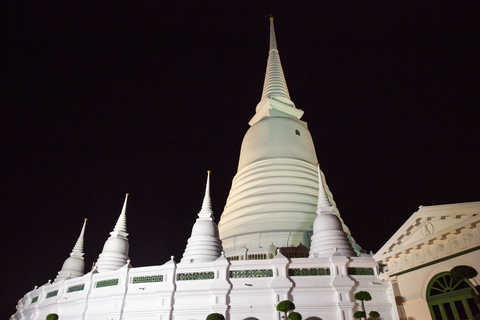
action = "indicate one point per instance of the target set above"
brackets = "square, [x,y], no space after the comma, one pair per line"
[115,249]
[328,236]
[204,244]
[74,265]
[273,198]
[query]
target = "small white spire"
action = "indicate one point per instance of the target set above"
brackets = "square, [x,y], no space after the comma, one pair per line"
[204,244]
[206,212]
[74,265]
[121,225]
[115,250]
[327,228]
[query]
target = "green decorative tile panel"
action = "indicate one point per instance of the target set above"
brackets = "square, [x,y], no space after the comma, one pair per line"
[78,287]
[257,256]
[234,258]
[309,272]
[35,299]
[195,276]
[264,273]
[360,271]
[106,283]
[52,294]
[146,279]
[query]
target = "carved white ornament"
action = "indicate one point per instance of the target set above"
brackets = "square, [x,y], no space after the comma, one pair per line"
[427,228]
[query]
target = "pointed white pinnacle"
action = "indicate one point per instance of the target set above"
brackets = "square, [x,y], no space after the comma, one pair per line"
[275,84]
[206,212]
[121,225]
[78,248]
[323,200]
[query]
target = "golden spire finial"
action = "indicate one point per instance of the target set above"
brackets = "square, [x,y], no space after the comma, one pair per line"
[271,18]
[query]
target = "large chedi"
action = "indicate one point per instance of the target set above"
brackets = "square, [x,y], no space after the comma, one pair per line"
[273,198]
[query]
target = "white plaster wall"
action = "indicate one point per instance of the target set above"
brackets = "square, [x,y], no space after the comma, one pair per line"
[413,285]
[326,297]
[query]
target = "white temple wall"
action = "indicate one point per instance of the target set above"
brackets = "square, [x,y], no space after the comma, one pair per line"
[320,287]
[106,298]
[147,297]
[74,301]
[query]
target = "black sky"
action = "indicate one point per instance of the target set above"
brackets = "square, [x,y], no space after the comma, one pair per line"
[100,100]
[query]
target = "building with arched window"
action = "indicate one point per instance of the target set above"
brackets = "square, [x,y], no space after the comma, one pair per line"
[419,256]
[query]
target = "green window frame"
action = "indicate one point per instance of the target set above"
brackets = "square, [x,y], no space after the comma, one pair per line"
[360,271]
[78,287]
[147,279]
[106,283]
[195,276]
[308,272]
[264,273]
[52,294]
[450,300]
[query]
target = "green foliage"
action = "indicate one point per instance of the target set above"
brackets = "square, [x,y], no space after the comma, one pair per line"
[52,316]
[215,316]
[374,314]
[285,306]
[363,296]
[295,316]
[463,272]
[359,315]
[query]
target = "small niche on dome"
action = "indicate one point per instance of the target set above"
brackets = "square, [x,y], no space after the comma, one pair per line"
[297,132]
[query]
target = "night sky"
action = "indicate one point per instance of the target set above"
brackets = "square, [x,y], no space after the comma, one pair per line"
[101,100]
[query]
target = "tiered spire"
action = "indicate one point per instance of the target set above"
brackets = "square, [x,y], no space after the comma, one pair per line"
[204,243]
[74,265]
[328,235]
[115,250]
[275,84]
[323,200]
[275,96]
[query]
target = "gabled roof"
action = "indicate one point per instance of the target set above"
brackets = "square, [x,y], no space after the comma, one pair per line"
[428,224]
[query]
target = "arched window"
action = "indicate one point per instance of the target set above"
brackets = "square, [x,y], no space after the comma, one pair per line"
[450,300]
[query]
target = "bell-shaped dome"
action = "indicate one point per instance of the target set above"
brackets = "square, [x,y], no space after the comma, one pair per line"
[326,222]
